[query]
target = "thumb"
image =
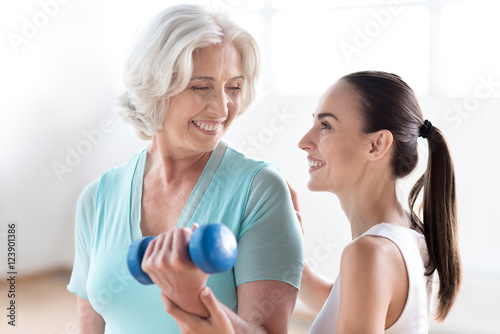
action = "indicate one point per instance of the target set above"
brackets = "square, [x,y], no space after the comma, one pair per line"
[218,318]
[208,299]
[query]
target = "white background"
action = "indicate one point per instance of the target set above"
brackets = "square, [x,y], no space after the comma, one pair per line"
[58,82]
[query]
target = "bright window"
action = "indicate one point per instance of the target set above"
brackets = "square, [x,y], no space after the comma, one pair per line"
[310,44]
[312,49]
[466,49]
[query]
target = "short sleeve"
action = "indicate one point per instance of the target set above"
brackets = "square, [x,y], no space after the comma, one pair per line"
[270,245]
[84,220]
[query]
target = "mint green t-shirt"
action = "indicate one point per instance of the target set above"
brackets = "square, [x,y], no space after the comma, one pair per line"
[249,196]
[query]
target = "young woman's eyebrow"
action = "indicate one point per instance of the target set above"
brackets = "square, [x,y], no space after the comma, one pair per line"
[326,114]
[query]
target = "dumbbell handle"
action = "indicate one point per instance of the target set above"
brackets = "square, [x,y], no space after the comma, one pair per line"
[212,248]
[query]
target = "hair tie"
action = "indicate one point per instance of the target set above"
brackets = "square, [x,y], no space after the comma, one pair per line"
[425,129]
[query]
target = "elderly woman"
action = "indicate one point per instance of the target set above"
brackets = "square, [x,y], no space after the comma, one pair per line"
[190,74]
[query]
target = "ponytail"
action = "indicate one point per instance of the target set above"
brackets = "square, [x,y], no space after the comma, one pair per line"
[389,103]
[439,220]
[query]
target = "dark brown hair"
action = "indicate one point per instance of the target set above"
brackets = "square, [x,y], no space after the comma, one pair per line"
[387,102]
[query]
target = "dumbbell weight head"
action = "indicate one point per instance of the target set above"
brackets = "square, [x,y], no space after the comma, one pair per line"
[212,248]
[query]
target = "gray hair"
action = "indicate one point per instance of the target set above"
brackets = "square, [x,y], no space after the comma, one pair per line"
[160,63]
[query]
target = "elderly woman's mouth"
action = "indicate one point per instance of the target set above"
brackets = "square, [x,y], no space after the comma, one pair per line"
[215,127]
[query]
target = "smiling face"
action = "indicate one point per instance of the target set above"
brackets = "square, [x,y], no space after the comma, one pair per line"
[199,116]
[336,145]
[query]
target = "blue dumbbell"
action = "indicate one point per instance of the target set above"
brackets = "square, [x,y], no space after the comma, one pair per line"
[212,248]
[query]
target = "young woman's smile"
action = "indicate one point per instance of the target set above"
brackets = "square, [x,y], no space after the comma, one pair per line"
[336,143]
[315,164]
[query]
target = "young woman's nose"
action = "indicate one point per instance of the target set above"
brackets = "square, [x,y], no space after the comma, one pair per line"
[306,143]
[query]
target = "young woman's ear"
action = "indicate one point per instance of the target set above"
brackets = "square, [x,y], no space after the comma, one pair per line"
[381,142]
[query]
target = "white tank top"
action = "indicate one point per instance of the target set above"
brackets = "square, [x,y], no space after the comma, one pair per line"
[415,316]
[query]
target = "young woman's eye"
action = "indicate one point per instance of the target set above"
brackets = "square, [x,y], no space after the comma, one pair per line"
[325,125]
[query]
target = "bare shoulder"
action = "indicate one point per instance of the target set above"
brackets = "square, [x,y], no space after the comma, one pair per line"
[376,257]
[373,282]
[370,249]
[370,274]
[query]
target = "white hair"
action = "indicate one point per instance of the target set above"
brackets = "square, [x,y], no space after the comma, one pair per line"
[160,63]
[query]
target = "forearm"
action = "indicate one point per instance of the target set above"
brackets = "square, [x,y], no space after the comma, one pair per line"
[190,303]
[242,326]
[314,289]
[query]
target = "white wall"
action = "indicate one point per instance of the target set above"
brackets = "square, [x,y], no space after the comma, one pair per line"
[60,84]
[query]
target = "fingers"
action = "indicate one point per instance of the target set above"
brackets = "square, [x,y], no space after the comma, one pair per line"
[169,266]
[295,197]
[212,304]
[292,189]
[208,299]
[217,322]
[180,316]
[157,244]
[165,244]
[153,254]
[218,318]
[150,249]
[180,241]
[295,201]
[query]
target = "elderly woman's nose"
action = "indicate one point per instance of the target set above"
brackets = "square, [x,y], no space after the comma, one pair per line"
[219,104]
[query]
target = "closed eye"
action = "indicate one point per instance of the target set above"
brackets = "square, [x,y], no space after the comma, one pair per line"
[233,90]
[199,88]
[233,87]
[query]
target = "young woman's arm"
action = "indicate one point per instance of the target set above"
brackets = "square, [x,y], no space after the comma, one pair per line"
[264,307]
[373,286]
[314,289]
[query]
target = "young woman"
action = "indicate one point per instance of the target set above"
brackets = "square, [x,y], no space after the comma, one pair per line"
[363,140]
